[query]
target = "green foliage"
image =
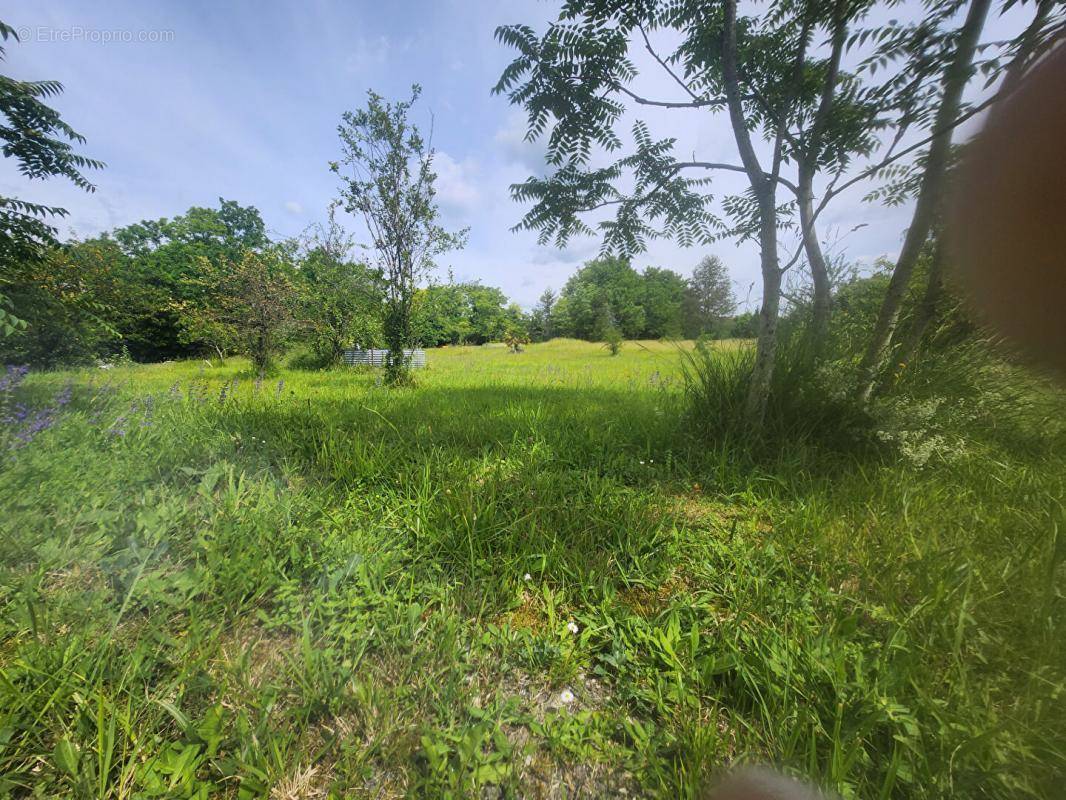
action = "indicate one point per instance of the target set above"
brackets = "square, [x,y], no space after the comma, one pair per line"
[339,300]
[83,301]
[35,135]
[390,186]
[308,584]
[540,319]
[663,302]
[612,337]
[605,286]
[656,304]
[708,299]
[155,294]
[464,313]
[169,260]
[245,306]
[588,40]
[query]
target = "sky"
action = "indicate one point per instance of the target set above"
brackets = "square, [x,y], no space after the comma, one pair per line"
[189,102]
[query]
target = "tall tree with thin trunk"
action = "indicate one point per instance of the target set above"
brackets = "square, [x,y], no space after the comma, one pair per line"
[928,306]
[577,80]
[809,153]
[956,75]
[389,183]
[764,188]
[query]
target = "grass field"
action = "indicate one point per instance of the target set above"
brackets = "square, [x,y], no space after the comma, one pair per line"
[527,576]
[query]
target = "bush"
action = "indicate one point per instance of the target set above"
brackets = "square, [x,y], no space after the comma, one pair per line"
[308,360]
[807,402]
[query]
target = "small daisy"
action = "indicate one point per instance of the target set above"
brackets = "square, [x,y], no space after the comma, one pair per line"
[566,697]
[572,627]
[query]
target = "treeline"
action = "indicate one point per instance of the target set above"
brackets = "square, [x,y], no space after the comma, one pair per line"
[607,297]
[212,282]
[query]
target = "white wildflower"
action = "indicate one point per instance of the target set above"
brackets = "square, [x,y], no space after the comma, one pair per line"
[572,627]
[566,697]
[527,577]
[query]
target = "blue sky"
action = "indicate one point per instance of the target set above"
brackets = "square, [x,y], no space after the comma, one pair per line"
[242,99]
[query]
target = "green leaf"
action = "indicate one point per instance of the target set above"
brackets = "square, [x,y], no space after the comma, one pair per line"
[65,757]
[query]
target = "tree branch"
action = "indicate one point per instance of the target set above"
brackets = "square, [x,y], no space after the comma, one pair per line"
[665,66]
[636,98]
[752,167]
[734,168]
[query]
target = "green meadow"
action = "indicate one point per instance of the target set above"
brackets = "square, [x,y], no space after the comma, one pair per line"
[527,576]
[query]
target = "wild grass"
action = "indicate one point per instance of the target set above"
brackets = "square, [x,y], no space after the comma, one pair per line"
[531,575]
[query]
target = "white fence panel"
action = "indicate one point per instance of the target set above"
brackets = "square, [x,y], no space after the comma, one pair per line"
[378,358]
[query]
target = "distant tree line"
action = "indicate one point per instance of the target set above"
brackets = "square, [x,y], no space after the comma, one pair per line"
[210,282]
[607,294]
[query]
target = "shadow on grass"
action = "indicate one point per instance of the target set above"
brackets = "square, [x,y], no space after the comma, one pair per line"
[574,485]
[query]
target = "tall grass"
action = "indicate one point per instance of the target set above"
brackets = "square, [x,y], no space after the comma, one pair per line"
[314,586]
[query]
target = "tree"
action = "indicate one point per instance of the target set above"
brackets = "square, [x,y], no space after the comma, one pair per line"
[540,320]
[71,299]
[258,303]
[956,75]
[487,314]
[663,301]
[35,135]
[708,297]
[440,315]
[921,50]
[391,187]
[608,332]
[168,257]
[576,81]
[250,308]
[469,312]
[788,102]
[340,300]
[604,286]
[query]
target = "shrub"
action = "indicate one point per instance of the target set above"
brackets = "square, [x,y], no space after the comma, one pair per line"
[807,403]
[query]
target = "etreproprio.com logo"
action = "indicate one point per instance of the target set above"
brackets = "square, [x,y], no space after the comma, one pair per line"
[77,33]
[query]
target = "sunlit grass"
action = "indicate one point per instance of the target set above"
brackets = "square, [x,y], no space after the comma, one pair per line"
[527,572]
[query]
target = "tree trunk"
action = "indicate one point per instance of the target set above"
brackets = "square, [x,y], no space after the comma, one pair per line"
[807,164]
[815,259]
[766,342]
[764,189]
[926,311]
[929,195]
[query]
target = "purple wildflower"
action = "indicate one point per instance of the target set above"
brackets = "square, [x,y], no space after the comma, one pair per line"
[64,395]
[12,377]
[118,427]
[18,414]
[40,420]
[149,405]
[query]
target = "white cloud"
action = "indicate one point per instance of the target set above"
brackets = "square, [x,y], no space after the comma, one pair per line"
[294,208]
[457,188]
